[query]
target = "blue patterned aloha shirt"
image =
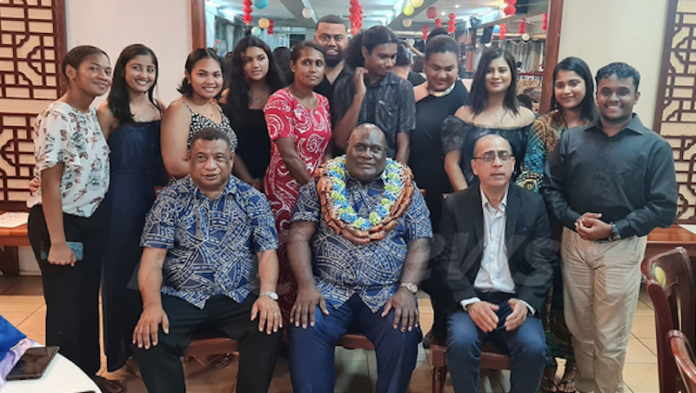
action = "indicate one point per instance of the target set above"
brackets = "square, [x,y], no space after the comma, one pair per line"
[373,271]
[212,244]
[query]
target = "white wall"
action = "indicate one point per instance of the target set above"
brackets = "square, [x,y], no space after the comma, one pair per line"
[632,31]
[163,25]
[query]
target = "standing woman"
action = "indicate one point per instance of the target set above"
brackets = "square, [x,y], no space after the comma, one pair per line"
[299,124]
[436,99]
[66,221]
[195,110]
[572,105]
[131,119]
[253,76]
[492,109]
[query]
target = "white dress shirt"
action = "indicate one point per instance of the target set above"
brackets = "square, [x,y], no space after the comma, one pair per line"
[494,274]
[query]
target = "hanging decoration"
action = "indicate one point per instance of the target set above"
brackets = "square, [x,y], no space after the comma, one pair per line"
[356,17]
[256,31]
[510,9]
[431,13]
[544,22]
[416,3]
[523,26]
[260,4]
[307,13]
[425,32]
[452,23]
[407,22]
[270,27]
[503,31]
[408,9]
[264,23]
[247,12]
[438,22]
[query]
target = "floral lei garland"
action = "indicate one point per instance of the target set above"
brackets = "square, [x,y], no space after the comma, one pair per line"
[339,214]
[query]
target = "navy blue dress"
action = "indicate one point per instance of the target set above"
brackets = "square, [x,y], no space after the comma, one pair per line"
[136,169]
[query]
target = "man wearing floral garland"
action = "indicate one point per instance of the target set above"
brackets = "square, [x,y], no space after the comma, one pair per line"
[358,244]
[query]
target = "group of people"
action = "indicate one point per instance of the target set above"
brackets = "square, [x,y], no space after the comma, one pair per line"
[321,206]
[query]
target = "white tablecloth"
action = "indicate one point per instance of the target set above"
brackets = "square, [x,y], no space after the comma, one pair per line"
[61,376]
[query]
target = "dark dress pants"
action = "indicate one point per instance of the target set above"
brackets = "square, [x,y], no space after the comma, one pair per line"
[161,366]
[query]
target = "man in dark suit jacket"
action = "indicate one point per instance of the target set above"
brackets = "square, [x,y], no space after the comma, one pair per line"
[496,268]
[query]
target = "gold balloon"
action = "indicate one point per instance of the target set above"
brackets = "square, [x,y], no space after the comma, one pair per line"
[416,3]
[264,23]
[408,10]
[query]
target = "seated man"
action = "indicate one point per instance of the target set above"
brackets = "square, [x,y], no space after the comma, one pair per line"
[497,265]
[369,234]
[206,240]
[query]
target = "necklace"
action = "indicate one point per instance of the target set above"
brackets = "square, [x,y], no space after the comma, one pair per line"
[340,216]
[443,93]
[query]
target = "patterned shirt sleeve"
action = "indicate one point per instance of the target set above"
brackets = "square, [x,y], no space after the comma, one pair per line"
[278,112]
[264,236]
[51,142]
[407,109]
[307,207]
[453,131]
[535,158]
[417,218]
[160,223]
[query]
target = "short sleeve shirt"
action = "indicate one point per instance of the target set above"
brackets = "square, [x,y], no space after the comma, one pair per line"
[64,135]
[212,244]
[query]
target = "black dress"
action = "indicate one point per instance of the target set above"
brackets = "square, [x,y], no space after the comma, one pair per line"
[252,134]
[457,134]
[427,160]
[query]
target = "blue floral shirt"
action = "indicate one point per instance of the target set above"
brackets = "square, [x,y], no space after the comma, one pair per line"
[212,244]
[342,268]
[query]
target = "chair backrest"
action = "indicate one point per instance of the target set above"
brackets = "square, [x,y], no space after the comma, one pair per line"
[683,357]
[670,284]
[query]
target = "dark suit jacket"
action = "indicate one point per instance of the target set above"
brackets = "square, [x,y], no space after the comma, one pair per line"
[531,252]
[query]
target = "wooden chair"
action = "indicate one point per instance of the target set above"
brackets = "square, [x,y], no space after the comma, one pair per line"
[210,342]
[491,359]
[673,300]
[683,356]
[355,341]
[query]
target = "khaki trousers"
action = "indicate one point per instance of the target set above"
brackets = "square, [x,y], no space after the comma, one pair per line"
[601,282]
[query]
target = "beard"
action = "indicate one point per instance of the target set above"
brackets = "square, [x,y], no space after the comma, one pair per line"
[334,61]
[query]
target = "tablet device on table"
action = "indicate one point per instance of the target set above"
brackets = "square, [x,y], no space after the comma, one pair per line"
[33,363]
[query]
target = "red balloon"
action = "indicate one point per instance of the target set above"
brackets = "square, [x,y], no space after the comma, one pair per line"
[425,28]
[425,37]
[248,18]
[502,34]
[438,22]
[247,2]
[452,16]
[510,10]
[451,29]
[512,2]
[431,13]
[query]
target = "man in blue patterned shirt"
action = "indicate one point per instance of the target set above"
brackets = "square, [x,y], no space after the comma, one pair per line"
[367,288]
[206,239]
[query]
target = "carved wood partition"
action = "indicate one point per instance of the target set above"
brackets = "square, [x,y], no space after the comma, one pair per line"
[32,44]
[675,114]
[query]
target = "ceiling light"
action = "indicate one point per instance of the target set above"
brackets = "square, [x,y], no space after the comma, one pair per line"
[443,13]
[456,6]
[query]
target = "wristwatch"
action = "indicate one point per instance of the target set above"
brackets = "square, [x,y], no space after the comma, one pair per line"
[411,287]
[270,294]
[615,235]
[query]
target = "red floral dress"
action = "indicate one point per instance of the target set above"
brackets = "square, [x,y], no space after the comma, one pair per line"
[311,132]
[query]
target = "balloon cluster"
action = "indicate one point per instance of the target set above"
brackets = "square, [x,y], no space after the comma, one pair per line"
[503,30]
[452,23]
[438,22]
[247,12]
[356,17]
[523,26]
[431,12]
[510,9]
[544,22]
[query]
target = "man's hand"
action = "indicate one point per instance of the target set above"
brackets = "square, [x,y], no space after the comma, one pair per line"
[34,184]
[518,316]
[303,310]
[359,79]
[484,316]
[61,254]
[590,227]
[148,325]
[269,314]
[404,304]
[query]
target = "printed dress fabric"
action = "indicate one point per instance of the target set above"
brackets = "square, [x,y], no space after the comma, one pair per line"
[310,131]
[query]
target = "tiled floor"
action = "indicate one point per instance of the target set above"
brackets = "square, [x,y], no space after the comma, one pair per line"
[21,302]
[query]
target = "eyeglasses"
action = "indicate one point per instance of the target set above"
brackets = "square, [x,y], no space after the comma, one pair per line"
[325,39]
[489,156]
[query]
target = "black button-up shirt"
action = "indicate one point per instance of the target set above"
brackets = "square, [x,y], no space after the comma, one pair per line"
[326,88]
[389,104]
[628,178]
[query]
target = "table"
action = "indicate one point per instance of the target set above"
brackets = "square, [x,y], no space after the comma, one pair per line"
[10,240]
[61,376]
[665,239]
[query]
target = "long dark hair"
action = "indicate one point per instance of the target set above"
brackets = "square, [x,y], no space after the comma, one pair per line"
[478,97]
[238,93]
[119,99]
[375,35]
[194,57]
[588,107]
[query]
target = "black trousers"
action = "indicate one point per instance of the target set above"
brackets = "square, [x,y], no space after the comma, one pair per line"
[72,293]
[161,366]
